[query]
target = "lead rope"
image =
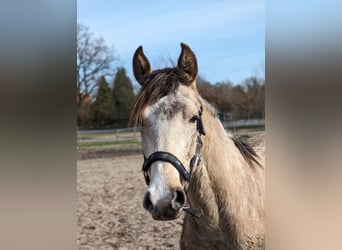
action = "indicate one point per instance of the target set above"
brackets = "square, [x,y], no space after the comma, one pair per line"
[193,212]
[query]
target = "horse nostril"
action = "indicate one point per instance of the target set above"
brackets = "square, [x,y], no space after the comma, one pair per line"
[178,199]
[147,202]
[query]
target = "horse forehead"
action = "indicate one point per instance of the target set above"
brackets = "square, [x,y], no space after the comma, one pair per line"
[169,106]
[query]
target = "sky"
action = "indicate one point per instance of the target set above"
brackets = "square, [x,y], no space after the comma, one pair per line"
[228,37]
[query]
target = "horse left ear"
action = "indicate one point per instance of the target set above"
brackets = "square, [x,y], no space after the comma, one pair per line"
[187,65]
[141,66]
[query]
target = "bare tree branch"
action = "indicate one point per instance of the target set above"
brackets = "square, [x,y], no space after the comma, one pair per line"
[94,59]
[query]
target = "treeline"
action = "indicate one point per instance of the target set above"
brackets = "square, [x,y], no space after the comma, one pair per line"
[242,101]
[101,104]
[111,106]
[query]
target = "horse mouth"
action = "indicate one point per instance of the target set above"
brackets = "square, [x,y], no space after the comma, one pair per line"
[167,216]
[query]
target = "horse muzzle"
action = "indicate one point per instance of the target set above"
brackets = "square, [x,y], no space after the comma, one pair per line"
[166,208]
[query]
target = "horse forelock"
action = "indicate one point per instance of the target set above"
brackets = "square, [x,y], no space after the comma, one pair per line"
[159,84]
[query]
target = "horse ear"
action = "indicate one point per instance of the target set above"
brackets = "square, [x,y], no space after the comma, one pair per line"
[141,66]
[187,65]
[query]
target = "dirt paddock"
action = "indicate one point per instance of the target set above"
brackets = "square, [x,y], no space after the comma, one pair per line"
[110,215]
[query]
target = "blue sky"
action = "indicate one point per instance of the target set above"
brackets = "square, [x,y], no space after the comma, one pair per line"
[228,37]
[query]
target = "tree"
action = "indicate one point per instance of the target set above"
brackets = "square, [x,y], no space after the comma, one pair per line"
[84,114]
[223,92]
[123,97]
[94,59]
[255,91]
[239,101]
[217,94]
[244,101]
[104,111]
[206,90]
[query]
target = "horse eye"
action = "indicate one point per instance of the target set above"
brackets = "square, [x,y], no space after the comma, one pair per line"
[194,119]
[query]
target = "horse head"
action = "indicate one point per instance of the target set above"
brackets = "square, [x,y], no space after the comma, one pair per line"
[168,109]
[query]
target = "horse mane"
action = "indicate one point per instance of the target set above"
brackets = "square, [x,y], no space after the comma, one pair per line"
[159,84]
[246,151]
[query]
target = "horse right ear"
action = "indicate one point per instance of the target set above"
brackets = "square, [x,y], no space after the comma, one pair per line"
[187,65]
[141,66]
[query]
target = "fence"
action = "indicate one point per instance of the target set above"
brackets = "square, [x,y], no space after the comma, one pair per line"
[250,124]
[109,137]
[87,138]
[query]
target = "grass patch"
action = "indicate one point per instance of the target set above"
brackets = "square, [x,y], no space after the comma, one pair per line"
[245,137]
[95,136]
[106,144]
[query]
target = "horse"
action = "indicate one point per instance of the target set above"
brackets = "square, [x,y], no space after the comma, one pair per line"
[192,164]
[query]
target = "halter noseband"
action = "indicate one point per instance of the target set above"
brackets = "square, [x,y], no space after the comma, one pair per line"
[176,163]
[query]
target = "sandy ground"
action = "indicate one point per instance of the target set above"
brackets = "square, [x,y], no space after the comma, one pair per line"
[110,215]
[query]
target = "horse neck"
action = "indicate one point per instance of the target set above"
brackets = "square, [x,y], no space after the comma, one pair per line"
[223,185]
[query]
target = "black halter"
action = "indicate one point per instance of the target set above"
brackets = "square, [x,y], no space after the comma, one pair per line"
[176,163]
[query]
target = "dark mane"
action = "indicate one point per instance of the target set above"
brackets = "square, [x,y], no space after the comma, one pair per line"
[159,84]
[246,150]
